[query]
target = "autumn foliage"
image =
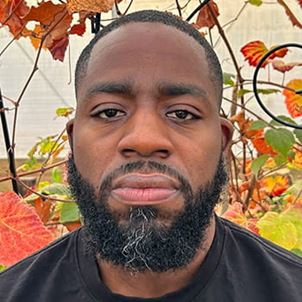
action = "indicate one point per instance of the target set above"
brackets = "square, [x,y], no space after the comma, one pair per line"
[265,188]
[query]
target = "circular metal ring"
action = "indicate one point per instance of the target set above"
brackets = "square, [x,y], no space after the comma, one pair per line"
[262,60]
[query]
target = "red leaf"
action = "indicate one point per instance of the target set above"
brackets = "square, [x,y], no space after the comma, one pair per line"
[255,50]
[300,2]
[78,29]
[21,229]
[58,48]
[282,67]
[204,18]
[293,100]
[12,13]
[236,215]
[290,14]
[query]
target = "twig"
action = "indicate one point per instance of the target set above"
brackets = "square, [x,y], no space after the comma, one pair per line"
[34,171]
[41,195]
[178,8]
[197,9]
[128,7]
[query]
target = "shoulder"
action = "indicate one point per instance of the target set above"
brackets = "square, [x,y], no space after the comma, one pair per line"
[245,242]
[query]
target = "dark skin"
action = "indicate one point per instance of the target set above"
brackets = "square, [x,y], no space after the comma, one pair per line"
[147,95]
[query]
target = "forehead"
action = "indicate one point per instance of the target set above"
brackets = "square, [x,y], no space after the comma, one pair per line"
[148,53]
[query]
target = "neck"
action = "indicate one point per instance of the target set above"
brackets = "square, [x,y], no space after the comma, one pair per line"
[152,284]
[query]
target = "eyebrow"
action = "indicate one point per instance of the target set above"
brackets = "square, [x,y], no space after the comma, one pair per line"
[167,89]
[162,89]
[125,88]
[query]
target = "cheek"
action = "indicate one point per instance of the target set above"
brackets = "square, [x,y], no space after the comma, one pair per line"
[92,156]
[201,157]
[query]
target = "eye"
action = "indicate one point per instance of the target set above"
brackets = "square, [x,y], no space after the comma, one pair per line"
[109,113]
[182,115]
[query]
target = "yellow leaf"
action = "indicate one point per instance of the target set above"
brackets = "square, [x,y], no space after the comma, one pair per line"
[279,230]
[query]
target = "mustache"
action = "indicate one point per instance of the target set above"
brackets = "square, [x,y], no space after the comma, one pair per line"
[144,167]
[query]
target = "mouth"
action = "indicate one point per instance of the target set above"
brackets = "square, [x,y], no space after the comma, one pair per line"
[144,189]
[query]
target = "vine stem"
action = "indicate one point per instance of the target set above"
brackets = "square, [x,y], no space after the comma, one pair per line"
[2,179]
[39,194]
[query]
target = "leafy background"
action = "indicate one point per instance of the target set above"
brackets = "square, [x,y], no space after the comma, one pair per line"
[265,190]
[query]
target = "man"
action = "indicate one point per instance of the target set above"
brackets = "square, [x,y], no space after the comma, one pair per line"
[147,168]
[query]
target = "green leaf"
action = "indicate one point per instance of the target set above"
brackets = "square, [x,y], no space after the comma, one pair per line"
[280,139]
[297,252]
[69,212]
[267,91]
[280,159]
[282,118]
[294,215]
[56,189]
[298,134]
[242,92]
[228,79]
[64,111]
[258,163]
[259,124]
[278,229]
[56,175]
[255,2]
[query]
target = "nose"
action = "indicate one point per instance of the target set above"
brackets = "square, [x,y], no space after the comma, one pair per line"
[145,135]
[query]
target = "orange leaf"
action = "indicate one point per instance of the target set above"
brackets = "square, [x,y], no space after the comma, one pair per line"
[22,231]
[58,48]
[96,6]
[12,14]
[293,100]
[204,18]
[36,36]
[45,13]
[43,208]
[275,185]
[282,67]
[255,50]
[261,146]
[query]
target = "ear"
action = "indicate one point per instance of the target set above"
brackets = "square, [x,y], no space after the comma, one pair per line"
[69,130]
[227,134]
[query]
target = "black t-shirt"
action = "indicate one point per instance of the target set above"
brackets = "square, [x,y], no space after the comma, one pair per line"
[239,267]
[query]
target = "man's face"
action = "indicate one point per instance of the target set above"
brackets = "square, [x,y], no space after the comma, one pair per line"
[147,97]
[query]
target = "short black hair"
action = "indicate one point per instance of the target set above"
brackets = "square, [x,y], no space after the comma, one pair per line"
[153,16]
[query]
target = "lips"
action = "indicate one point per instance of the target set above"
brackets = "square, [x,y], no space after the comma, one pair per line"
[143,189]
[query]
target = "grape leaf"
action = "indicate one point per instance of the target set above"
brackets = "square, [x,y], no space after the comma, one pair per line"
[293,100]
[290,14]
[280,139]
[258,163]
[255,50]
[259,124]
[12,13]
[228,79]
[204,18]
[278,229]
[255,2]
[96,6]
[298,134]
[69,212]
[282,67]
[22,231]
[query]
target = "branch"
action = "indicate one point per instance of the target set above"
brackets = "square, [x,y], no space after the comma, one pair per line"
[2,179]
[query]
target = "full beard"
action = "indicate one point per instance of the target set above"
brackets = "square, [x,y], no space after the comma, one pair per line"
[142,242]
